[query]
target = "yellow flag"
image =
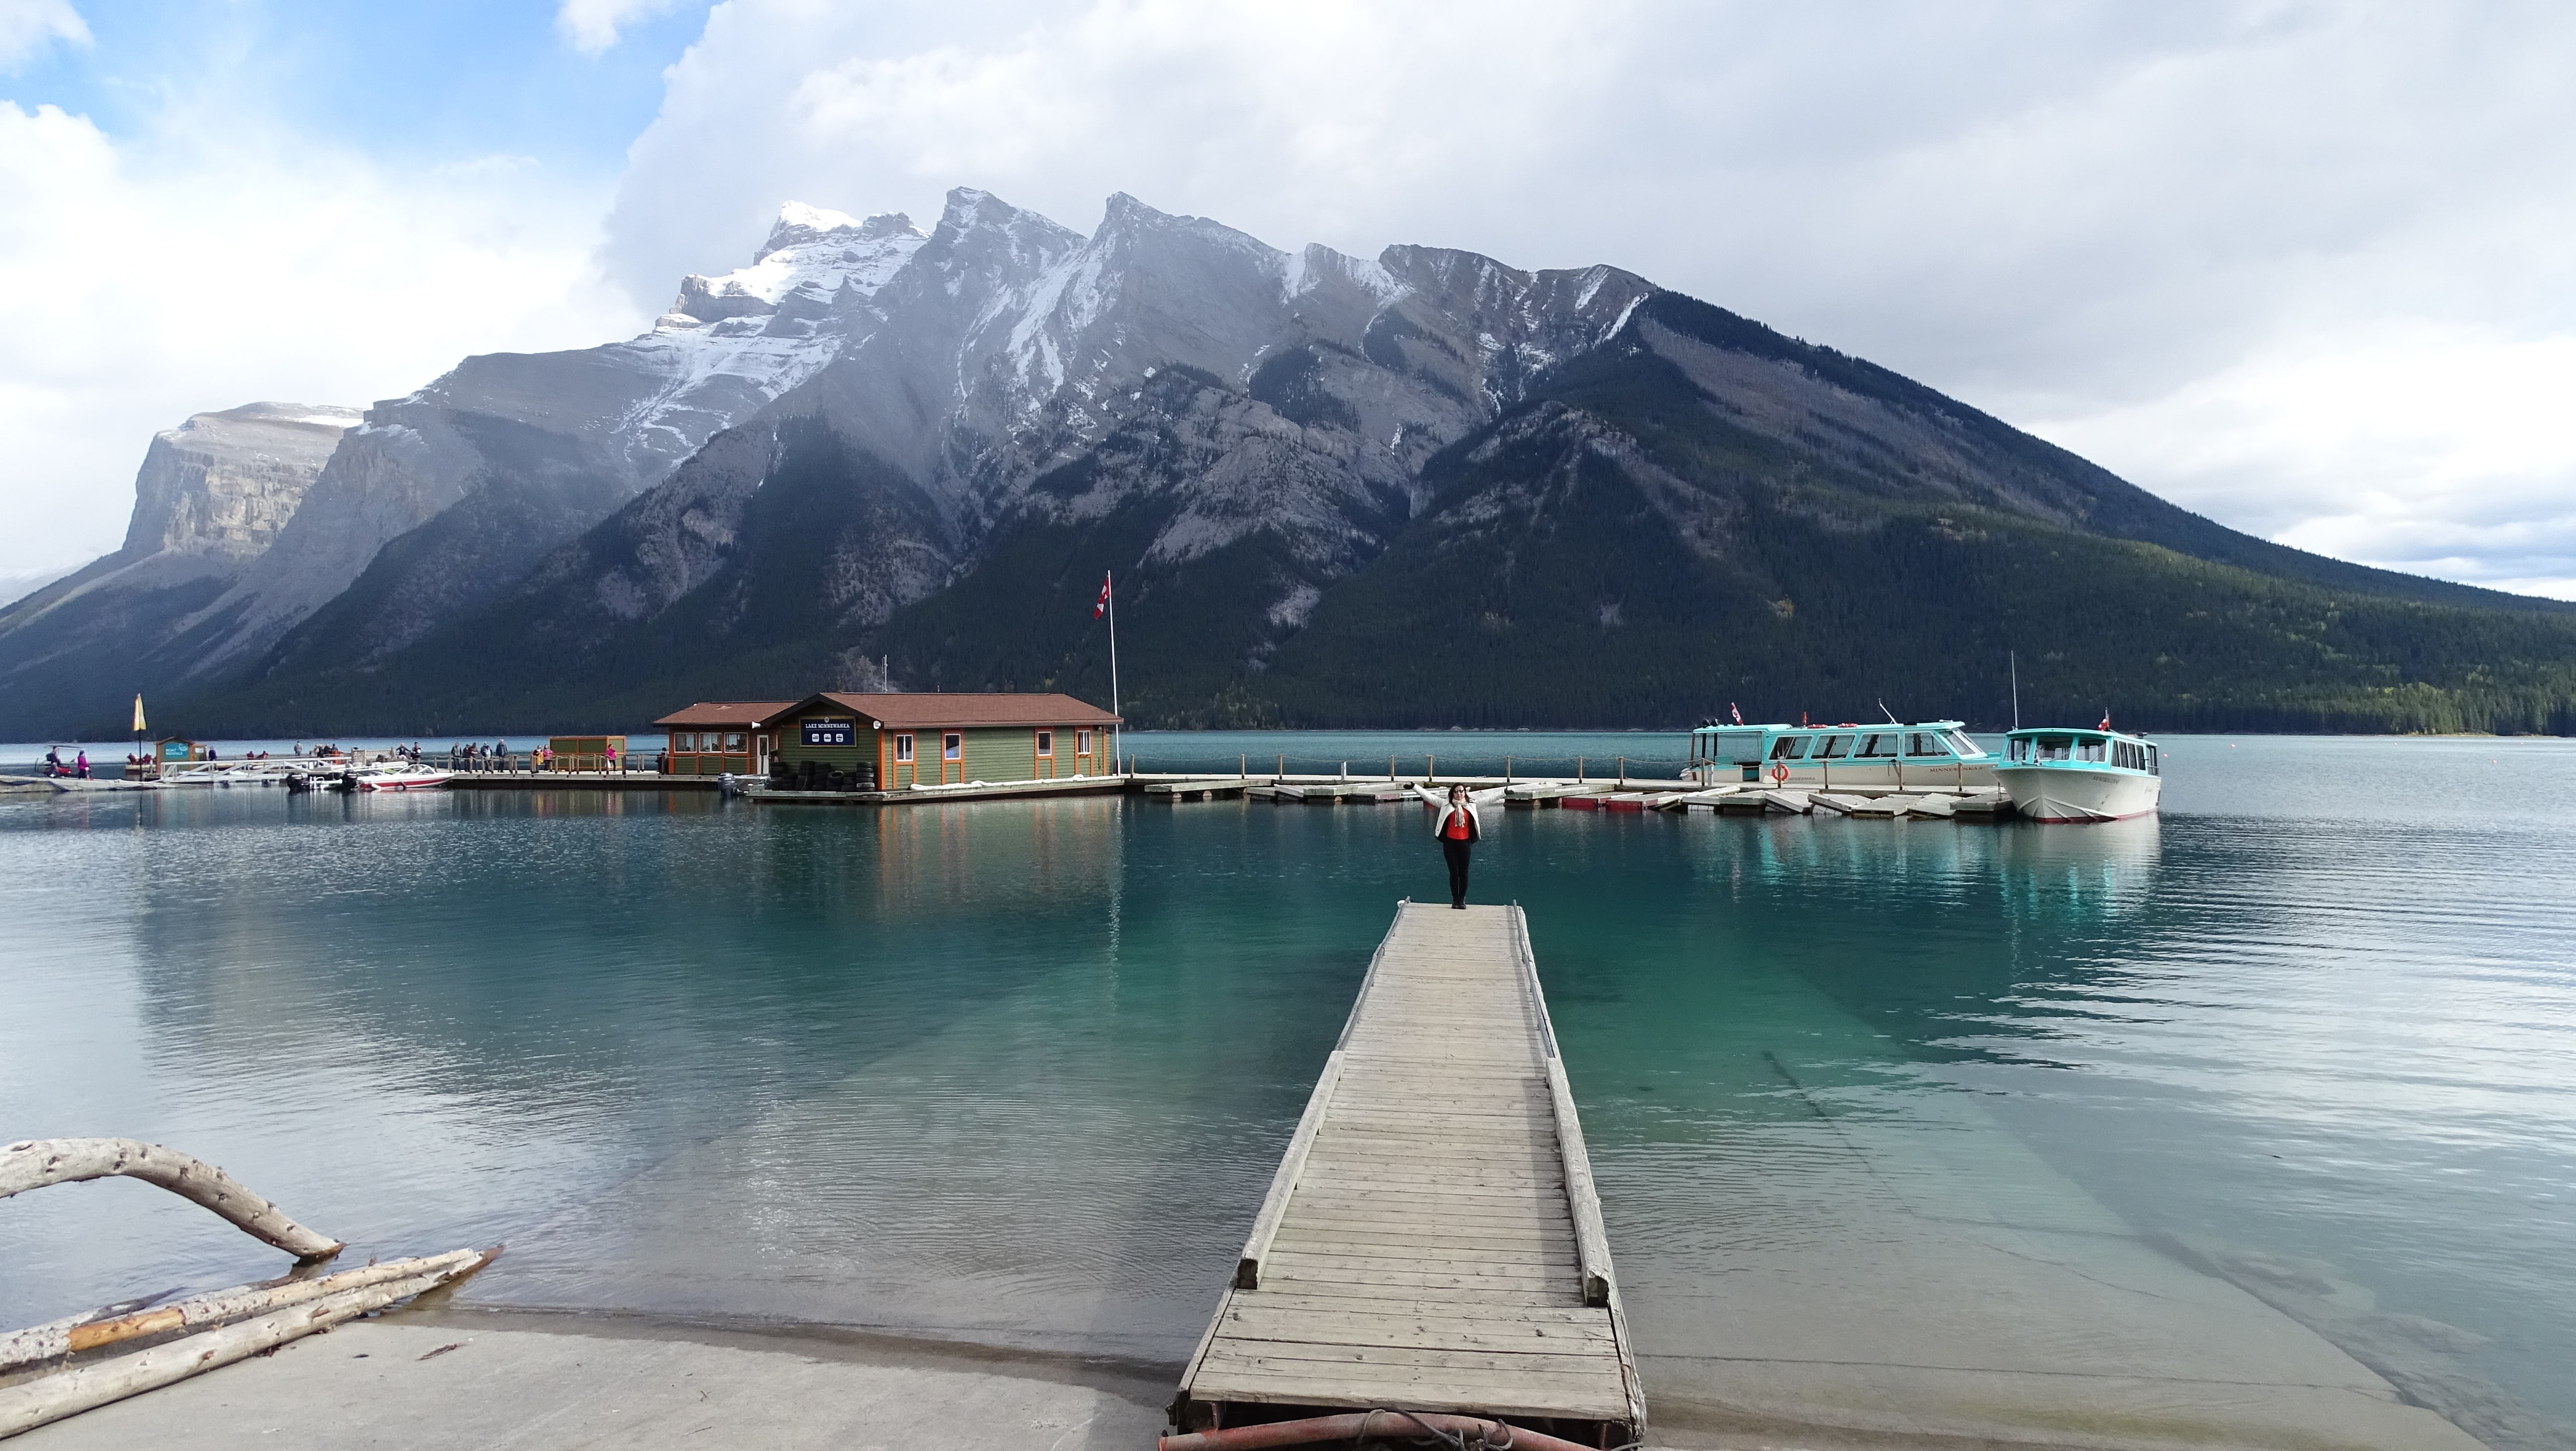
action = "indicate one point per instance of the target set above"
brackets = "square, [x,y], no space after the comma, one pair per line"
[138,715]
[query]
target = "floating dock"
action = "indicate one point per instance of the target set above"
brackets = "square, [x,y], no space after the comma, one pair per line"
[1432,1241]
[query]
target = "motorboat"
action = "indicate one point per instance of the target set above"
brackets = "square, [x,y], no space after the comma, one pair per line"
[391,776]
[2059,774]
[1927,755]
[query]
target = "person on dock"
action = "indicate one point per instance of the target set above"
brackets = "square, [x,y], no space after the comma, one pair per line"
[1457,828]
[82,765]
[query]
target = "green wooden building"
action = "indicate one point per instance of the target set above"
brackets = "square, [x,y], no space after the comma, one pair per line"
[927,739]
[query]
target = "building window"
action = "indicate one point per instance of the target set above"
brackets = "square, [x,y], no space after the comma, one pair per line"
[1082,743]
[952,747]
[736,742]
[1046,743]
[903,748]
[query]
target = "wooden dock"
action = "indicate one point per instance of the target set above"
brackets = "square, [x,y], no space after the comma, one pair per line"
[1432,1241]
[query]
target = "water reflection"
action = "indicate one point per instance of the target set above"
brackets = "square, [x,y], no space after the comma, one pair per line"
[1018,1070]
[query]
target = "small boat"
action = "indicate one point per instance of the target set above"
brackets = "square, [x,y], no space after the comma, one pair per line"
[2081,775]
[394,776]
[1928,755]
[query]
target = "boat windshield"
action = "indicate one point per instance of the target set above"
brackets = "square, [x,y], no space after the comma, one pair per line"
[2094,750]
[1834,749]
[1961,745]
[2054,748]
[1789,748]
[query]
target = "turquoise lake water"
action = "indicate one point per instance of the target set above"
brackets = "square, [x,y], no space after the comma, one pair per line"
[1019,1072]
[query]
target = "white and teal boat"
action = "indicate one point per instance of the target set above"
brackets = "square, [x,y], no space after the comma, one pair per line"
[2081,775]
[1927,756]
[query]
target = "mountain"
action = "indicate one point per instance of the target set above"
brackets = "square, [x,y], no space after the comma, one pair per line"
[210,500]
[1424,489]
[434,501]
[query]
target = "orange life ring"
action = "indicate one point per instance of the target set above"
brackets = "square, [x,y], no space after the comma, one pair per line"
[1780,775]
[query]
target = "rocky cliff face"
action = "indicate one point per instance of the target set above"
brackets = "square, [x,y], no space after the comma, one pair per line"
[222,485]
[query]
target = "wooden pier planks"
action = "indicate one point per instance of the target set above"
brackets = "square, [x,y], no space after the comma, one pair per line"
[1431,1240]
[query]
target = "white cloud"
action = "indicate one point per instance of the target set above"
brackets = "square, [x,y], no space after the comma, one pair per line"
[2119,221]
[214,263]
[591,26]
[28,26]
[2418,447]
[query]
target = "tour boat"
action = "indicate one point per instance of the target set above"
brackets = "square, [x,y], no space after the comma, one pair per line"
[1928,755]
[2080,775]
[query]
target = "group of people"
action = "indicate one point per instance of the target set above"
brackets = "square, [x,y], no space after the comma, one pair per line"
[56,766]
[475,756]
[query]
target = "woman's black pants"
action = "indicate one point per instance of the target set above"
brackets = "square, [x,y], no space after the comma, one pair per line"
[1456,851]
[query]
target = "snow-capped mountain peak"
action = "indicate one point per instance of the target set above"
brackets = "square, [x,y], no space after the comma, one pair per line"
[812,250]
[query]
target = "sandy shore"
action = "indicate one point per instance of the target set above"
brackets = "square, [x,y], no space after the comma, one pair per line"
[458,1377]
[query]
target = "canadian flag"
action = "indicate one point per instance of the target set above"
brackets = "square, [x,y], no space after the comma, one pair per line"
[1103,604]
[1731,710]
[2106,722]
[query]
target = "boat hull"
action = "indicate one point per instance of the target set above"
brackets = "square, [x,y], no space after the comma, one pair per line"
[2079,791]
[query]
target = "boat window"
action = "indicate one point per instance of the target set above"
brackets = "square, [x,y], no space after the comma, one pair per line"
[2089,750]
[1834,749]
[1878,744]
[1961,745]
[1925,743]
[2016,750]
[1789,748]
[2153,769]
[2055,748]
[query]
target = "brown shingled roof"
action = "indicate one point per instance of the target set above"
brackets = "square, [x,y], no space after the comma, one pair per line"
[745,713]
[933,710]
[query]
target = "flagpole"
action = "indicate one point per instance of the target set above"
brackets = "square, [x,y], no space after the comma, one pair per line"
[1109,578]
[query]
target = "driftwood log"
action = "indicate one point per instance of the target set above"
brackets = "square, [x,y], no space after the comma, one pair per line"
[35,1163]
[65,1337]
[34,1403]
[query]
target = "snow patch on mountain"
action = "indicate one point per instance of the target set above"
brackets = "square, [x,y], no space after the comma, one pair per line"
[731,344]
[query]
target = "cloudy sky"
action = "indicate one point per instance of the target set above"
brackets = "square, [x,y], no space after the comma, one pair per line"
[2304,268]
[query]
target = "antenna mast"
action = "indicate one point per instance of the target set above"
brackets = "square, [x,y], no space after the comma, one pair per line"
[2013,659]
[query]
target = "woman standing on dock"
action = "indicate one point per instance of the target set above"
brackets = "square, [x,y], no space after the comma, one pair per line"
[1457,828]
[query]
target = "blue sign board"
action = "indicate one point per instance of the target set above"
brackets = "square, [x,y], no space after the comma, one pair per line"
[831,733]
